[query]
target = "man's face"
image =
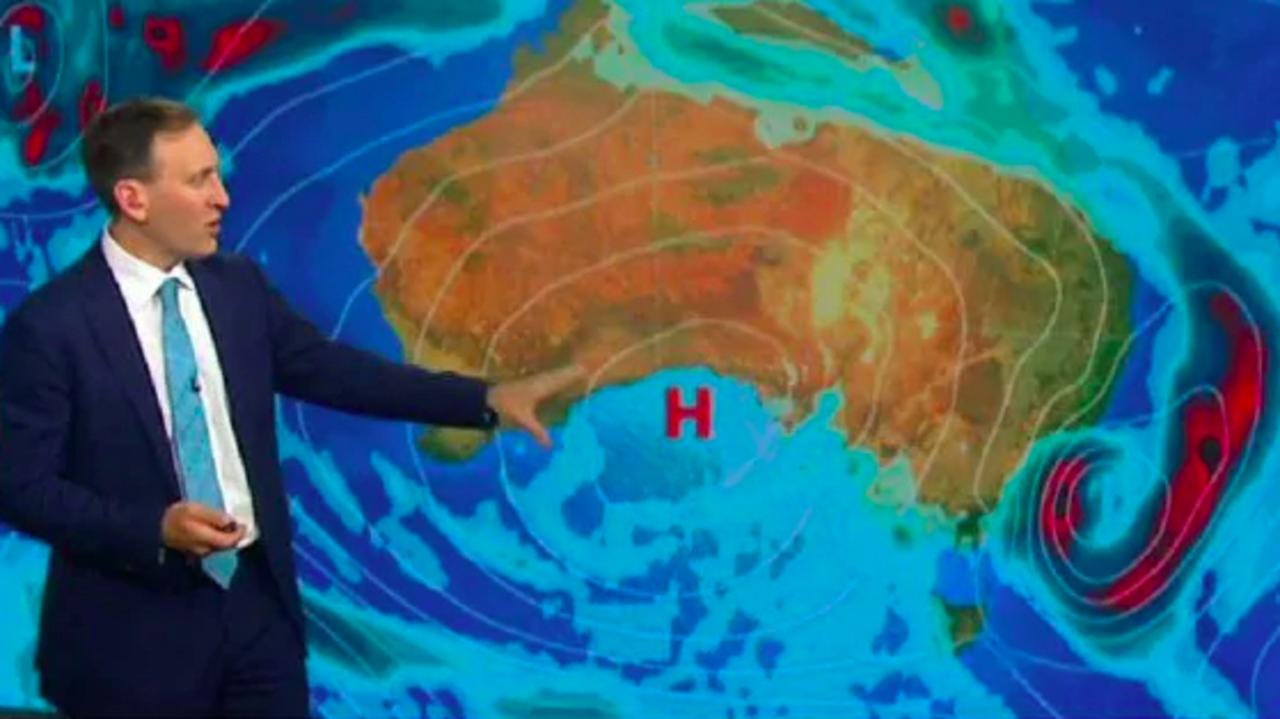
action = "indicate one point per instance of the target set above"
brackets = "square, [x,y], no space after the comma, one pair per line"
[183,200]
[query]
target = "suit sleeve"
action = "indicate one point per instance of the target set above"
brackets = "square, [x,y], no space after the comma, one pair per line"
[35,417]
[309,366]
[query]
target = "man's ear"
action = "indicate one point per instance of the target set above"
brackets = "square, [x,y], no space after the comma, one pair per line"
[131,196]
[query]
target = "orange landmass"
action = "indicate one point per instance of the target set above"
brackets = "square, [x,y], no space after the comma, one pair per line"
[960,310]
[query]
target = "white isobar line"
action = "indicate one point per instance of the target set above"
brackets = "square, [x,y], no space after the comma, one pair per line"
[217,62]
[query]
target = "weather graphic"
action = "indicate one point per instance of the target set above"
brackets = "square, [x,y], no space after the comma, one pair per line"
[931,345]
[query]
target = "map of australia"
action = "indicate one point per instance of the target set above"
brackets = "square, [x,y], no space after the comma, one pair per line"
[959,310]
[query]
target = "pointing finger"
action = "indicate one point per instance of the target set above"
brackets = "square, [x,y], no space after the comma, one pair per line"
[531,424]
[540,434]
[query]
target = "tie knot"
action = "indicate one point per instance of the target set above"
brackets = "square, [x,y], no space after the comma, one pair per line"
[169,293]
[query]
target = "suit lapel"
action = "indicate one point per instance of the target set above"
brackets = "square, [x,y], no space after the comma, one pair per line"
[218,302]
[118,339]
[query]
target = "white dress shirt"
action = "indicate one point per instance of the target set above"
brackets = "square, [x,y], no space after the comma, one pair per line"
[140,284]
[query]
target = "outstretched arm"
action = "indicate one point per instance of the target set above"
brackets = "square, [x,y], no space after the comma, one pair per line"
[311,367]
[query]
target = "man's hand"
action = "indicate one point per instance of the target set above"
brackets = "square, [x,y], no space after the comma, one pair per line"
[516,401]
[199,529]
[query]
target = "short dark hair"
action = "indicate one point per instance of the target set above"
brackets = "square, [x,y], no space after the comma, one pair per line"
[117,143]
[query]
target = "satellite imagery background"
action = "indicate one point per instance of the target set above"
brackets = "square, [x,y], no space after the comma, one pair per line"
[930,342]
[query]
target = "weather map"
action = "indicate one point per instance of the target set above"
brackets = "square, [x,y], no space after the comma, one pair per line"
[930,344]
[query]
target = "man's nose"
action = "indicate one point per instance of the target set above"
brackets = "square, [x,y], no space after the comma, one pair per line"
[220,199]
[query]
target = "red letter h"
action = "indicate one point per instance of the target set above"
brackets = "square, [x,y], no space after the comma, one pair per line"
[700,412]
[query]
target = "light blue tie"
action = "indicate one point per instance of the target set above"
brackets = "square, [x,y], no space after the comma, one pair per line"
[190,431]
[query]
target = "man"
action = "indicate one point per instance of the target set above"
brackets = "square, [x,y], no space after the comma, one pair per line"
[137,438]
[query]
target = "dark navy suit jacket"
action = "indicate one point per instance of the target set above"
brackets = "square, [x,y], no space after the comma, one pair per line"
[85,464]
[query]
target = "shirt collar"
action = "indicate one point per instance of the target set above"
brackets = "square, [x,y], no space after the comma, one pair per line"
[139,281]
